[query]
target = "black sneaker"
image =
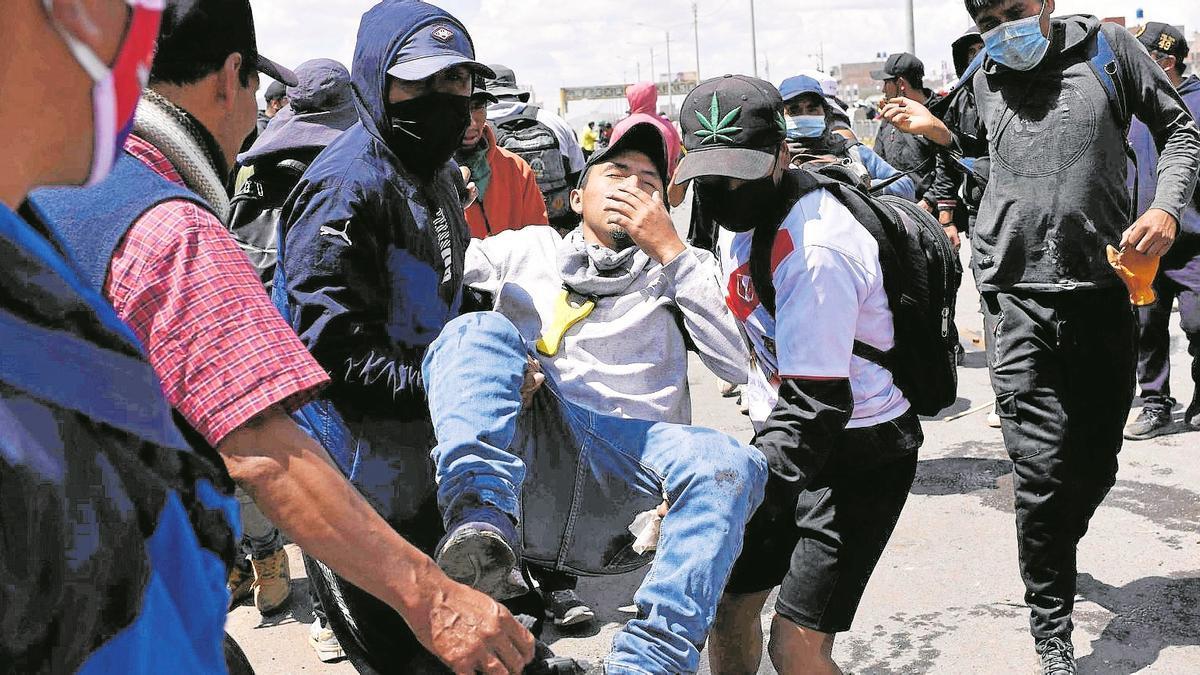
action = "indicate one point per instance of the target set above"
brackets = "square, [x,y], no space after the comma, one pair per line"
[545,662]
[481,550]
[1153,421]
[567,609]
[1057,656]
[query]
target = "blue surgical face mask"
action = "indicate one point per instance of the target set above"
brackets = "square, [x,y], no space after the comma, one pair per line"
[805,126]
[1019,44]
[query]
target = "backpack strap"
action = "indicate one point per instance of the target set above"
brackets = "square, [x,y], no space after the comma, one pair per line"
[293,166]
[797,184]
[1104,63]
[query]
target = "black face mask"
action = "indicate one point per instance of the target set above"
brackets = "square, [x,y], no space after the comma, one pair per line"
[743,208]
[427,130]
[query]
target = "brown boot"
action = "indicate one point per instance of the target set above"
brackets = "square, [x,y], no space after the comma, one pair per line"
[239,584]
[272,581]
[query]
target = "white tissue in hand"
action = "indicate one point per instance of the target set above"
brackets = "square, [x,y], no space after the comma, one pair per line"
[645,531]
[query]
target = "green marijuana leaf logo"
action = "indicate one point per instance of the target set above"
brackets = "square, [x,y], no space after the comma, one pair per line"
[716,127]
[781,122]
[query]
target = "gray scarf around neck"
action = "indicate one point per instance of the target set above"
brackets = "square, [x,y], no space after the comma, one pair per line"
[596,270]
[163,125]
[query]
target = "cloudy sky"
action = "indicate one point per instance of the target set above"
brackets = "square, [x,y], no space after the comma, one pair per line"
[556,43]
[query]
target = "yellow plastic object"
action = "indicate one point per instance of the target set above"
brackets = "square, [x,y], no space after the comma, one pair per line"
[1137,270]
[566,315]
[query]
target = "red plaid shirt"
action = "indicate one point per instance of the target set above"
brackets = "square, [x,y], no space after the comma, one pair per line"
[220,348]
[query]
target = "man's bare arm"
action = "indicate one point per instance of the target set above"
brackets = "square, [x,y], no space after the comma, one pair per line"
[295,483]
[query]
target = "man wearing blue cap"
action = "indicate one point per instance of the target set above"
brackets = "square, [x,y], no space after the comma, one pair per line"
[370,269]
[811,138]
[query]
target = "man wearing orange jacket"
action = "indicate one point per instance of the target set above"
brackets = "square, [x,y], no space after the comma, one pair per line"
[509,198]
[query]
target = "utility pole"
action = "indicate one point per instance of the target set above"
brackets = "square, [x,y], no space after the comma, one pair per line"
[670,79]
[696,35]
[754,39]
[910,24]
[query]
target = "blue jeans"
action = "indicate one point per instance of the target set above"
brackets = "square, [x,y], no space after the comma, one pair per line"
[260,537]
[575,479]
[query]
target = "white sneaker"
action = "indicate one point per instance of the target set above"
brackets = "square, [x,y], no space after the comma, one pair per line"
[993,420]
[324,642]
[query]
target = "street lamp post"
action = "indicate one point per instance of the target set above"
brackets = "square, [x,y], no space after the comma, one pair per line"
[670,79]
[653,74]
[754,39]
[910,24]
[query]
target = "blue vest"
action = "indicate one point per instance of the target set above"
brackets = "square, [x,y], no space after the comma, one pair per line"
[91,222]
[136,529]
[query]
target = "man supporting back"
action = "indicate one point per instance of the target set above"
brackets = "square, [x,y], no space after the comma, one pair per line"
[1054,99]
[839,435]
[370,271]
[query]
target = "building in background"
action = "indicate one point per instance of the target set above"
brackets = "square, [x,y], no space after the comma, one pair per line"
[855,81]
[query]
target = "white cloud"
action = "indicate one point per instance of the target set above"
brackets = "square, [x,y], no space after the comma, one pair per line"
[556,43]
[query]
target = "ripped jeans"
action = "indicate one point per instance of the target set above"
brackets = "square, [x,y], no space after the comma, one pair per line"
[575,479]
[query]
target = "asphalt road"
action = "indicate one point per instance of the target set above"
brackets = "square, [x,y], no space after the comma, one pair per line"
[946,597]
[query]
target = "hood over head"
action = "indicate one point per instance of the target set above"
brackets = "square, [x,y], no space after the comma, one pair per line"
[1191,85]
[643,98]
[1067,33]
[960,46]
[320,108]
[385,30]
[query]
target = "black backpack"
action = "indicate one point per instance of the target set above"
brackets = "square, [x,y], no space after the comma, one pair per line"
[522,134]
[920,277]
[254,212]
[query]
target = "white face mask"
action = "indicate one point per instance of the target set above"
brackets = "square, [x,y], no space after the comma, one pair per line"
[805,126]
[116,90]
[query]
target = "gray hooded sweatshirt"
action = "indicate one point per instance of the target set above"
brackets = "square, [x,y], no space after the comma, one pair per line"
[629,356]
[1057,192]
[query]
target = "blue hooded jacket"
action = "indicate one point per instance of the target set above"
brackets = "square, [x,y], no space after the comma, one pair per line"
[371,270]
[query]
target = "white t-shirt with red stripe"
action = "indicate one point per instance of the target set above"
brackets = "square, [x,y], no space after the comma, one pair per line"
[828,293]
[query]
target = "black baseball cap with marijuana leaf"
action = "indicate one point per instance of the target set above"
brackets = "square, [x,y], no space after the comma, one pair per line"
[732,126]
